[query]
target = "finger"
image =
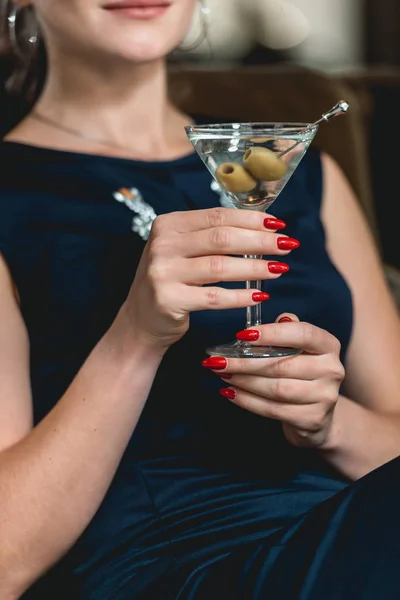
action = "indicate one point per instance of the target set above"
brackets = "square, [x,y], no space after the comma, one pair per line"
[300,335]
[233,240]
[192,298]
[196,220]
[288,391]
[212,269]
[302,416]
[304,367]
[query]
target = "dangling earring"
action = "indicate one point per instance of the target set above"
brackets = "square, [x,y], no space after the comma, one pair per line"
[204,25]
[12,21]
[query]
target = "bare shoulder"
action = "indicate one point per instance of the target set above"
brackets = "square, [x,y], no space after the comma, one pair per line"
[7,284]
[339,198]
[24,132]
[15,391]
[373,376]
[349,237]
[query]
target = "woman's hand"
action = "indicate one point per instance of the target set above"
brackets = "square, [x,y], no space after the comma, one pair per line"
[186,251]
[301,391]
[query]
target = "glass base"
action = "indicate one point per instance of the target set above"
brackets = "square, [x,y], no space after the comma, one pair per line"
[240,349]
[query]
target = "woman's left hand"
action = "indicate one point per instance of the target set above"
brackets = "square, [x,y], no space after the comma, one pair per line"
[301,391]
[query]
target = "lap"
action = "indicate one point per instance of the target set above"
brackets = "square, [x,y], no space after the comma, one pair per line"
[347,548]
[338,542]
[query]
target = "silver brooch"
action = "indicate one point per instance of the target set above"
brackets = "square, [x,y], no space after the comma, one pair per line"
[145,215]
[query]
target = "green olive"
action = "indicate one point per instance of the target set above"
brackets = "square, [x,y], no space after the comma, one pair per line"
[263,164]
[234,178]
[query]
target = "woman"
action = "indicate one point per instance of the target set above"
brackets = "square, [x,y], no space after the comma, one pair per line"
[117,478]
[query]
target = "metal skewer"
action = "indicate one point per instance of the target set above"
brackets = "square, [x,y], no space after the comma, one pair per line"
[340,108]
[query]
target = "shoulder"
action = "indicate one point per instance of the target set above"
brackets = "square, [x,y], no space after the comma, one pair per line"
[339,197]
[348,234]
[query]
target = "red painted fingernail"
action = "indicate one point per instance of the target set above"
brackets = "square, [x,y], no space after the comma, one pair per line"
[270,223]
[287,243]
[228,393]
[260,296]
[278,267]
[285,320]
[215,362]
[226,376]
[248,335]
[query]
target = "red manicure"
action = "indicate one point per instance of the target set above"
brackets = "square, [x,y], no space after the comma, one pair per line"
[270,223]
[248,335]
[223,376]
[260,296]
[288,243]
[228,393]
[285,320]
[278,267]
[215,362]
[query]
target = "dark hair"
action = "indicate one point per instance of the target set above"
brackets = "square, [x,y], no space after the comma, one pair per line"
[22,64]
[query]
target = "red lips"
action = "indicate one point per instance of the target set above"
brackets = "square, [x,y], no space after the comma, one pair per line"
[121,4]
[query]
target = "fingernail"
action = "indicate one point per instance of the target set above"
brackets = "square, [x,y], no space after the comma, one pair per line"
[226,376]
[285,320]
[228,393]
[260,296]
[271,223]
[215,362]
[287,243]
[278,267]
[248,335]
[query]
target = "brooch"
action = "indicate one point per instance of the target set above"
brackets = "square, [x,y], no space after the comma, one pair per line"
[144,213]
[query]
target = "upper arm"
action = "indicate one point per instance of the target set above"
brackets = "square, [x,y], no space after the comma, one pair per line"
[15,389]
[373,358]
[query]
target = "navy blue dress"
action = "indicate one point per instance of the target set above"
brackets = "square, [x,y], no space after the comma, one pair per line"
[209,501]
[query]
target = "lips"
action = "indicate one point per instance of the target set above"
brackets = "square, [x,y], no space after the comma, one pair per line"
[132,4]
[138,9]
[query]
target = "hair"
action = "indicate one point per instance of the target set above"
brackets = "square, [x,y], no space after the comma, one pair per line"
[22,64]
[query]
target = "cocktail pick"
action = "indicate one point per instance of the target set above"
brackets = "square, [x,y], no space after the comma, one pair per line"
[340,108]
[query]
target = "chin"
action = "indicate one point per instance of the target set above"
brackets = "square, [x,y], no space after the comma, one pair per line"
[140,46]
[144,40]
[146,53]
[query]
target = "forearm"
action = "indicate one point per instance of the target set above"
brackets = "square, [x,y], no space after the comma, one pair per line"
[53,481]
[361,440]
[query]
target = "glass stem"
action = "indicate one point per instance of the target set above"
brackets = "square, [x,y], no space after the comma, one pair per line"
[253,313]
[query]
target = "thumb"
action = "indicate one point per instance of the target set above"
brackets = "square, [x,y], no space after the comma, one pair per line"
[287,318]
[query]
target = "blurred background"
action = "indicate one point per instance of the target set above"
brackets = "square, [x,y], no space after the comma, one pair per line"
[348,46]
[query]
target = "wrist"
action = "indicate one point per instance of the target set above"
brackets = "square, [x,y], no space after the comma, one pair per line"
[332,441]
[129,344]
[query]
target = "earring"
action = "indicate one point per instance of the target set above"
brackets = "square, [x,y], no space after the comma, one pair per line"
[12,20]
[203,34]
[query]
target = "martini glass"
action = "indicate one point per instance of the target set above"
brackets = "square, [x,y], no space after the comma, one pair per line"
[252,163]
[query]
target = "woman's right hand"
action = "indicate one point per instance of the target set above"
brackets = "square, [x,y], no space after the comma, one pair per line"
[186,251]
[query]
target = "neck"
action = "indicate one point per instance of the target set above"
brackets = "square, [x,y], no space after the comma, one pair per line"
[128,106]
